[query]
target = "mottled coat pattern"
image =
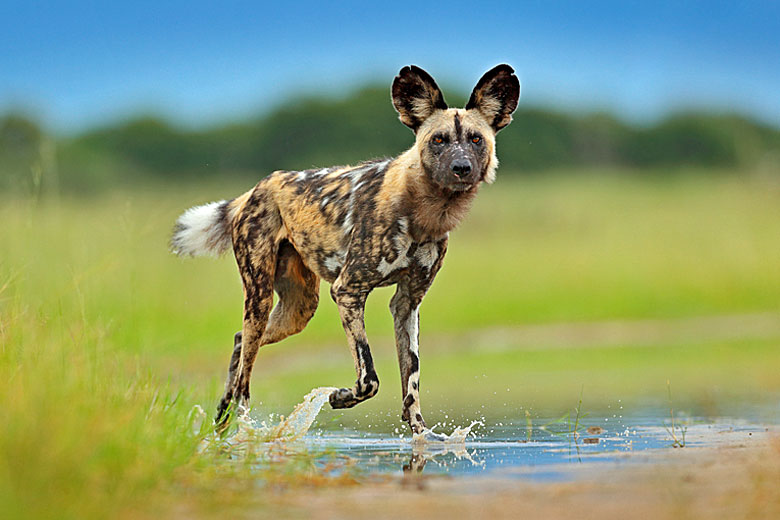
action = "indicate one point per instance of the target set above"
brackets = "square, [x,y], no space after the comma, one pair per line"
[383,222]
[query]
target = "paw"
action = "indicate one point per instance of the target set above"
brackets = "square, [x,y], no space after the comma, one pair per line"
[415,420]
[343,398]
[223,412]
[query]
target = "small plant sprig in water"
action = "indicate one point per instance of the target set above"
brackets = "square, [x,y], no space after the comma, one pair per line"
[578,410]
[572,429]
[673,427]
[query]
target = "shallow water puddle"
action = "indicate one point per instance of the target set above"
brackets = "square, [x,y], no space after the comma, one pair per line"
[508,450]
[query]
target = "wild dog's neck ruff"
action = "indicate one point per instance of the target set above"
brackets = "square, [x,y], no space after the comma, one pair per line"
[434,211]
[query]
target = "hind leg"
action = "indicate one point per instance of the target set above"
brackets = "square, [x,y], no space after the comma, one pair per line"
[257,307]
[255,248]
[297,288]
[298,291]
[235,360]
[220,419]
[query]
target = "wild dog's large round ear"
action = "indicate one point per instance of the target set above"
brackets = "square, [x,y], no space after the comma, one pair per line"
[416,96]
[496,96]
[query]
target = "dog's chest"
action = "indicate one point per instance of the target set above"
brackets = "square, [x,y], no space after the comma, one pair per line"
[382,259]
[396,253]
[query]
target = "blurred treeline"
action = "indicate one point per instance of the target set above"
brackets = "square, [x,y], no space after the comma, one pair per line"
[312,132]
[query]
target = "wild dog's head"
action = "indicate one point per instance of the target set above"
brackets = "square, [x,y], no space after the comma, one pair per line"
[457,146]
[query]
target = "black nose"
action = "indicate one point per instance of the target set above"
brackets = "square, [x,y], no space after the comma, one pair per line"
[461,167]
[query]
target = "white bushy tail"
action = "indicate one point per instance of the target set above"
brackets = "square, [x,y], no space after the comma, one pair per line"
[203,230]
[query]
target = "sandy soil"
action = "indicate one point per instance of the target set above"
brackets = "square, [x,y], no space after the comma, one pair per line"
[739,478]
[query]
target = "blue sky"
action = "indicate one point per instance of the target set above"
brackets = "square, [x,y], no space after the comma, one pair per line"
[79,64]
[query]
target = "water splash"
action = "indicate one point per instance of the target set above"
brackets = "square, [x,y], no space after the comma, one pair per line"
[458,436]
[255,436]
[250,432]
[295,425]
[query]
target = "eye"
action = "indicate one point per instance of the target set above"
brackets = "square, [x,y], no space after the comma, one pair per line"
[476,139]
[438,139]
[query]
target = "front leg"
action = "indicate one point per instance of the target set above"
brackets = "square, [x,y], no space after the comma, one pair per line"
[405,307]
[351,304]
[406,316]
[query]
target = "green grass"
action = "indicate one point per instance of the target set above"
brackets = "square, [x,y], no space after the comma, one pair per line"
[108,341]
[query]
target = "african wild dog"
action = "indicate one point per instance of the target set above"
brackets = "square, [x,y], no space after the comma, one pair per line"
[380,223]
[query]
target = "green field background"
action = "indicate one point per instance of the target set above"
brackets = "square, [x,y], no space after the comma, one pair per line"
[109,341]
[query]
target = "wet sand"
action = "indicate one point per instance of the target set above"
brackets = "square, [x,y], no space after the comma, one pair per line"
[737,478]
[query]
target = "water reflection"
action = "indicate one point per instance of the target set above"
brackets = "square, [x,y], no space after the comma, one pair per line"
[444,455]
[507,452]
[416,464]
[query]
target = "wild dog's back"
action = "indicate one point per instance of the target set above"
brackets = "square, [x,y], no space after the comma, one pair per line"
[319,209]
